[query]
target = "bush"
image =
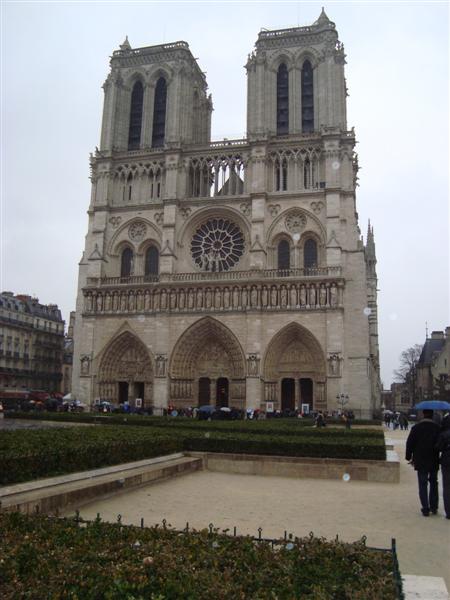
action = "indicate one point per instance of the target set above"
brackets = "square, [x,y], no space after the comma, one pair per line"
[26,455]
[55,558]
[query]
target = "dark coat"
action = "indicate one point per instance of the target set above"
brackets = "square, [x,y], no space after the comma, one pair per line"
[443,446]
[420,446]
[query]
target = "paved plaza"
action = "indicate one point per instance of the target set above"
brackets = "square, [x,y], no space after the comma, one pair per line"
[350,509]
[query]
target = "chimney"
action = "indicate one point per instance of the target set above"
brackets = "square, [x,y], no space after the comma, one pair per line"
[437,335]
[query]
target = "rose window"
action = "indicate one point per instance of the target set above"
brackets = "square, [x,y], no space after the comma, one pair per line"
[217,245]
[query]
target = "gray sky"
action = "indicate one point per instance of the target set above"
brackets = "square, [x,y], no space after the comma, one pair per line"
[55,57]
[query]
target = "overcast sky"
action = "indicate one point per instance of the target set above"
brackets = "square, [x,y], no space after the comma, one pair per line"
[55,57]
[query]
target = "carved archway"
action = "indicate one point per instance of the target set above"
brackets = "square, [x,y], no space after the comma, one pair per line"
[126,369]
[208,349]
[294,353]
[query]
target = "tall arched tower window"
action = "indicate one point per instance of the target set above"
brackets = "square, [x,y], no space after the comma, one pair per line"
[159,114]
[284,255]
[151,262]
[126,263]
[307,98]
[134,131]
[310,254]
[282,100]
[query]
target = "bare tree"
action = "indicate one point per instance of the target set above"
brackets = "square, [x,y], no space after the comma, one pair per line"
[408,362]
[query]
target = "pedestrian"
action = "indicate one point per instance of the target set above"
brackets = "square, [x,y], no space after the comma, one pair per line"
[320,419]
[422,454]
[443,446]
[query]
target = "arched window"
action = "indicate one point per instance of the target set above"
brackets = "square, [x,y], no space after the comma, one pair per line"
[159,114]
[307,98]
[281,175]
[307,174]
[310,254]
[282,100]
[284,255]
[128,188]
[134,131]
[126,263]
[151,262]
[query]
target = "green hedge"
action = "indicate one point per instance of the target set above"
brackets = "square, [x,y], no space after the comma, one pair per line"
[271,426]
[31,454]
[26,455]
[56,559]
[321,446]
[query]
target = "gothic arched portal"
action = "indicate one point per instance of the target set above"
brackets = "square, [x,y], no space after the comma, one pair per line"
[294,370]
[207,353]
[126,372]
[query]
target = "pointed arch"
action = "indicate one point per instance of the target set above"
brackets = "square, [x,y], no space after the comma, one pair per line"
[136,111]
[307,97]
[159,113]
[125,361]
[211,340]
[291,351]
[282,100]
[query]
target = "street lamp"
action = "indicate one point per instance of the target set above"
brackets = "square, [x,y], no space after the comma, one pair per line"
[342,400]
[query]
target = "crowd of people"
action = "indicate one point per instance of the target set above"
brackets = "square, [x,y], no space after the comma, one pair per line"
[397,419]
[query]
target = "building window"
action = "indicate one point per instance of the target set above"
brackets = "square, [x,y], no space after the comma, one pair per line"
[310,254]
[307,98]
[284,255]
[281,175]
[151,262]
[126,265]
[134,131]
[159,114]
[282,100]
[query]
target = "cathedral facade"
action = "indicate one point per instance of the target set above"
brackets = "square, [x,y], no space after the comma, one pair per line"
[230,273]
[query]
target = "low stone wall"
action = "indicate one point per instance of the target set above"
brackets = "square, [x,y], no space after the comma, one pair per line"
[315,468]
[75,489]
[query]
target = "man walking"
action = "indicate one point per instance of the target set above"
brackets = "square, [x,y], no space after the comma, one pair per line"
[422,454]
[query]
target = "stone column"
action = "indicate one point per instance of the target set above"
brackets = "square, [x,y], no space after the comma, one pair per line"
[147,116]
[160,394]
[253,392]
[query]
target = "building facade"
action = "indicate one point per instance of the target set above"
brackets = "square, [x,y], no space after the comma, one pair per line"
[233,272]
[31,344]
[433,367]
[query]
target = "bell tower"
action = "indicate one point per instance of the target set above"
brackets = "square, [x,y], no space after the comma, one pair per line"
[296,81]
[154,97]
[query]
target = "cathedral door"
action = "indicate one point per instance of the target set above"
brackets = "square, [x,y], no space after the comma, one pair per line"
[139,390]
[306,392]
[288,394]
[204,391]
[123,392]
[222,392]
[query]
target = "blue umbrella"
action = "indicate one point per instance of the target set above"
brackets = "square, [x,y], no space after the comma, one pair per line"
[433,405]
[207,408]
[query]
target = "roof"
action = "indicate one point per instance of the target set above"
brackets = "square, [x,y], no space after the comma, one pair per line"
[430,347]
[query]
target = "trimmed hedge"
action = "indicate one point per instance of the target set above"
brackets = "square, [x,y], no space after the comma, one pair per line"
[31,454]
[27,455]
[55,558]
[271,426]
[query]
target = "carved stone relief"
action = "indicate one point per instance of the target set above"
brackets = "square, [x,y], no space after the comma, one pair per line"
[137,231]
[295,222]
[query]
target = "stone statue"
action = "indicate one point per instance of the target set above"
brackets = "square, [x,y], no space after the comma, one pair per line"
[85,365]
[131,301]
[191,298]
[322,295]
[293,296]
[163,299]
[99,302]
[235,297]
[208,298]
[226,298]
[181,299]
[218,299]
[283,297]
[147,301]
[173,300]
[333,295]
[302,295]
[244,297]
[156,300]
[252,364]
[273,296]
[123,303]
[89,303]
[334,364]
[199,298]
[312,296]
[264,296]
[254,297]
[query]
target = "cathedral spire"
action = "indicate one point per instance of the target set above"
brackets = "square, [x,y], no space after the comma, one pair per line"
[126,45]
[323,18]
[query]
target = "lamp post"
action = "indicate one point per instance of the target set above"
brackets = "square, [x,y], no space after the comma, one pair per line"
[342,400]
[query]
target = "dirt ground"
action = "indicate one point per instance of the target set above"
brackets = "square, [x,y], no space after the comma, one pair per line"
[350,509]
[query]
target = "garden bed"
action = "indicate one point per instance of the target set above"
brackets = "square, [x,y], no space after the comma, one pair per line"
[61,558]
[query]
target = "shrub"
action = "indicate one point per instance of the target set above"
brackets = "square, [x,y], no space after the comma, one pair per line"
[55,558]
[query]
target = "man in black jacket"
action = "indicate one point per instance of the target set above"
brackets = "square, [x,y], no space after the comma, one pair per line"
[421,452]
[443,446]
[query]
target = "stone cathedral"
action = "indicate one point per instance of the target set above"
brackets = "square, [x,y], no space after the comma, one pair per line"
[230,273]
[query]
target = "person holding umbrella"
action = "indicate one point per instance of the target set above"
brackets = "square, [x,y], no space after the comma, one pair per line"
[421,452]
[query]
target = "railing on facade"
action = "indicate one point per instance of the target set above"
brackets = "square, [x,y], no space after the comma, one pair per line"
[253,275]
[287,541]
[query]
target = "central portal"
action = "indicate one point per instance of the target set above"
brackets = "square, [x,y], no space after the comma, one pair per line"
[222,392]
[288,394]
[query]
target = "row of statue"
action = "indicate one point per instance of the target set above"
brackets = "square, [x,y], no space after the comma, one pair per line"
[310,296]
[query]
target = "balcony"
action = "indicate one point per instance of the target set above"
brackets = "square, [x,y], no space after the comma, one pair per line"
[205,276]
